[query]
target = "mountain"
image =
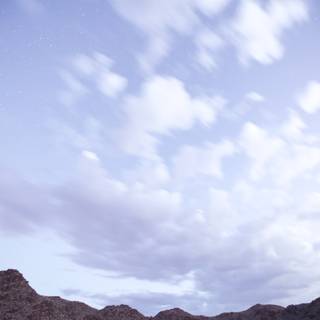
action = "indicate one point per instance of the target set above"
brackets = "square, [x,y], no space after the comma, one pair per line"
[121,312]
[18,301]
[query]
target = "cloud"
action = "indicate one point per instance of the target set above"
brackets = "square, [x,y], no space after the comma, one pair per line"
[247,229]
[150,303]
[74,91]
[256,30]
[158,20]
[255,96]
[91,72]
[163,105]
[21,204]
[111,84]
[208,43]
[192,161]
[309,99]
[244,238]
[150,173]
[89,135]
[90,155]
[295,129]
[254,138]
[98,68]
[227,207]
[272,156]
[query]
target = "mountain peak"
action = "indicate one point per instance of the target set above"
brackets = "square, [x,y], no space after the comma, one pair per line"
[10,273]
[120,312]
[12,281]
[173,314]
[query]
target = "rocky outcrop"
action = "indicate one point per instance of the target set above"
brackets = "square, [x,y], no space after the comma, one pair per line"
[174,314]
[121,312]
[257,312]
[18,301]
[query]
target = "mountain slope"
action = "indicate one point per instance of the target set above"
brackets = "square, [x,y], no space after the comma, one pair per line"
[18,301]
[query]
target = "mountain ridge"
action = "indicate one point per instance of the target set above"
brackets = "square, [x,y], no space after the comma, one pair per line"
[19,301]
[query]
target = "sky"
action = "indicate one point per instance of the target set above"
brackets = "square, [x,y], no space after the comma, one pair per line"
[162,153]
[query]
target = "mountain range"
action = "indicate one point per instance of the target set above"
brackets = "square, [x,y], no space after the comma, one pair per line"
[18,301]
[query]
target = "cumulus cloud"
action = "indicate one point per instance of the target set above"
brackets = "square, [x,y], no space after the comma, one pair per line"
[309,99]
[256,30]
[163,105]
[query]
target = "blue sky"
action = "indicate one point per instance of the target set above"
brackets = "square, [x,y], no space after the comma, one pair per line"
[161,154]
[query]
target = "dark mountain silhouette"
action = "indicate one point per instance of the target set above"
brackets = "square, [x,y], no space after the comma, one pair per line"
[18,301]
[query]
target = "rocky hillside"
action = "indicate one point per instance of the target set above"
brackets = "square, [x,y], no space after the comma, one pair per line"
[18,301]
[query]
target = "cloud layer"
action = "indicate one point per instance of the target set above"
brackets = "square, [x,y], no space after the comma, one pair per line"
[172,146]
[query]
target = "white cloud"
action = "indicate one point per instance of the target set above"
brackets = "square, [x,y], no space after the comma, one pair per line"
[98,68]
[256,30]
[158,19]
[84,64]
[163,105]
[198,211]
[192,161]
[74,91]
[297,161]
[311,203]
[293,127]
[255,96]
[111,84]
[220,199]
[150,173]
[309,100]
[208,43]
[87,136]
[90,155]
[260,147]
[137,216]
[273,157]
[91,71]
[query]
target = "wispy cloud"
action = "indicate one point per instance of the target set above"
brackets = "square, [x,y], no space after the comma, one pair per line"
[256,31]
